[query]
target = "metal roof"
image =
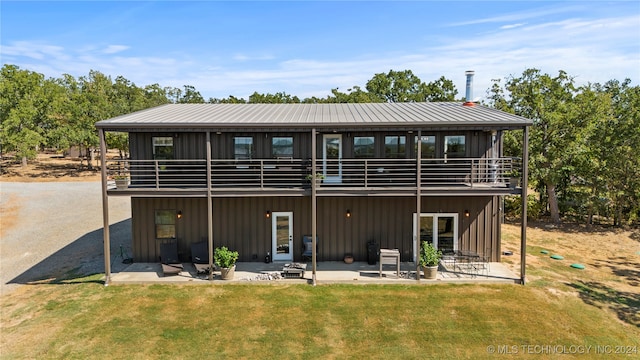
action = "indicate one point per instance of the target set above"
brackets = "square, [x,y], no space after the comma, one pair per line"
[360,115]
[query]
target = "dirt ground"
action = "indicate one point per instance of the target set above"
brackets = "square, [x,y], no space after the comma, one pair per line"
[47,168]
[611,256]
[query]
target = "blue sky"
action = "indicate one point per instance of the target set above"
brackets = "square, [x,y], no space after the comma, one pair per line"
[307,48]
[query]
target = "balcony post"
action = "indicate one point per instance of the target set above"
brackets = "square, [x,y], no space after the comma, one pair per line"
[523,195]
[209,207]
[314,209]
[261,174]
[418,203]
[157,174]
[105,208]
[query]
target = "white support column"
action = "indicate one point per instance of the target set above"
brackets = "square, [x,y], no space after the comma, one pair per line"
[105,208]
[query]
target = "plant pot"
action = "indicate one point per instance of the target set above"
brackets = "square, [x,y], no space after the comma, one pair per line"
[430,272]
[513,182]
[227,273]
[348,259]
[122,184]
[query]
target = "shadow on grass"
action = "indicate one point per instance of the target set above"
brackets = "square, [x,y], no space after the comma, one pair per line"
[81,261]
[625,304]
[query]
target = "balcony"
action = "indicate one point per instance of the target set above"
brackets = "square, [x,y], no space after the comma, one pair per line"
[294,176]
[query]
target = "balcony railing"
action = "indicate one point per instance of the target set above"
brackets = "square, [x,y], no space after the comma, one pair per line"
[296,173]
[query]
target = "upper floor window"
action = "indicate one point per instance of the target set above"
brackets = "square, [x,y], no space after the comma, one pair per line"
[428,146]
[163,147]
[242,147]
[363,146]
[454,146]
[165,224]
[282,147]
[394,146]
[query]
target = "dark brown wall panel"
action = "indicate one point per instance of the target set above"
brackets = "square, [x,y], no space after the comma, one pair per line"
[241,224]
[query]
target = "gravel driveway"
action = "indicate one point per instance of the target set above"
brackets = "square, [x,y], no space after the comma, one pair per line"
[51,228]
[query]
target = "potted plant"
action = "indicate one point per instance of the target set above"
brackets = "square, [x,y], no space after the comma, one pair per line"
[122,181]
[514,178]
[318,177]
[226,260]
[429,259]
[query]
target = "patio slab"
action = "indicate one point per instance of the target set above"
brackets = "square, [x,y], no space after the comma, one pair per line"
[328,272]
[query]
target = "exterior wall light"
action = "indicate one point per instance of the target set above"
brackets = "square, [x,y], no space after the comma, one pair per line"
[267,214]
[466,213]
[348,214]
[179,214]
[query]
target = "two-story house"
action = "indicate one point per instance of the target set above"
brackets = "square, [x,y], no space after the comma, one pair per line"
[257,178]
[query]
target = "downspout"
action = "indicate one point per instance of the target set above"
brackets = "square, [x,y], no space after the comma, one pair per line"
[105,209]
[418,203]
[209,207]
[525,185]
[314,210]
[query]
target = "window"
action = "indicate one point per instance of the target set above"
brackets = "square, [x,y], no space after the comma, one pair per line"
[163,148]
[363,146]
[165,224]
[428,146]
[394,146]
[454,146]
[282,147]
[242,147]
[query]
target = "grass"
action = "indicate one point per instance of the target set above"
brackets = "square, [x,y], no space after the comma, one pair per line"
[85,320]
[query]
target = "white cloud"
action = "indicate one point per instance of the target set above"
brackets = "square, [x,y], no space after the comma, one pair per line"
[113,49]
[511,26]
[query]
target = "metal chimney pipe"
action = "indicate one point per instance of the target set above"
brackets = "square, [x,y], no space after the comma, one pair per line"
[469,94]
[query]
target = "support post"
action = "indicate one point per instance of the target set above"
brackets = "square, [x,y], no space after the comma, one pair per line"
[525,185]
[209,207]
[105,208]
[314,210]
[418,203]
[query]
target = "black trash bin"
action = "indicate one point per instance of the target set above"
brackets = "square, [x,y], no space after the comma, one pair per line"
[372,252]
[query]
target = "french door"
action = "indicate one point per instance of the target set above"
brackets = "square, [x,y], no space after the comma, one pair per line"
[332,158]
[440,229]
[282,236]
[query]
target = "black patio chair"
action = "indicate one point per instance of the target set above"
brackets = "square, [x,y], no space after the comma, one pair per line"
[169,258]
[200,257]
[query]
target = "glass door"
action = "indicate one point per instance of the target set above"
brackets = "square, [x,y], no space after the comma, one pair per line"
[332,158]
[282,236]
[439,229]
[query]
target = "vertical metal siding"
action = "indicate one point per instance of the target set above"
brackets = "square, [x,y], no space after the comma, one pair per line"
[240,224]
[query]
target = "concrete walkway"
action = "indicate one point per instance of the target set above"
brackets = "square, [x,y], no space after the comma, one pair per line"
[331,272]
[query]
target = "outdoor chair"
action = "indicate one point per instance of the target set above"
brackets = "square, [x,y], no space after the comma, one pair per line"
[307,252]
[200,257]
[169,258]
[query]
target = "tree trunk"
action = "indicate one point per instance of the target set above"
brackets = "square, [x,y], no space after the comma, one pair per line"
[24,161]
[553,202]
[90,158]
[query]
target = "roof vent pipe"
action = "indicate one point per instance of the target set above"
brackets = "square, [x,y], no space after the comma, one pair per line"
[469,94]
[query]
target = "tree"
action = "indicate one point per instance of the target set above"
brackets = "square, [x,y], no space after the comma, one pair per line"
[623,142]
[396,86]
[354,95]
[589,182]
[442,89]
[24,104]
[230,100]
[277,98]
[190,96]
[548,102]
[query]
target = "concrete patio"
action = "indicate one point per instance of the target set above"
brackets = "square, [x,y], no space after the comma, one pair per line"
[331,272]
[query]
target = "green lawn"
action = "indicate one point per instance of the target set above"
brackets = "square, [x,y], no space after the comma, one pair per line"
[86,320]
